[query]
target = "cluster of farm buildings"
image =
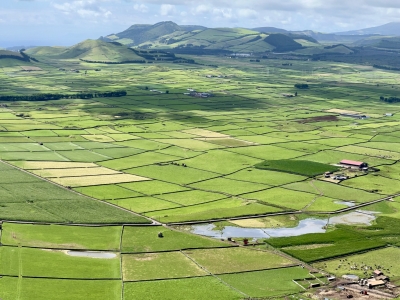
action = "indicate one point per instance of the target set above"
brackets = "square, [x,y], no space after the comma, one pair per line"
[194,93]
[378,279]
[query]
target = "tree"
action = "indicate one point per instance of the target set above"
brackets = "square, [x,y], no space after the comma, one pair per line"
[302,86]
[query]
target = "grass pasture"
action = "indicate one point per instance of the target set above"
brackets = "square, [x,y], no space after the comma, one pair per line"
[236,259]
[61,237]
[56,264]
[269,283]
[370,259]
[59,289]
[145,239]
[180,289]
[151,266]
[229,159]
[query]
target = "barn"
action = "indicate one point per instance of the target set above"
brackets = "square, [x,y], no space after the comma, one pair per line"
[352,163]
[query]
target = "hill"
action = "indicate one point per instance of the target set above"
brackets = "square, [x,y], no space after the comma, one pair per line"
[391,29]
[197,39]
[104,52]
[282,42]
[11,54]
[140,33]
[45,51]
[332,38]
[269,30]
[90,50]
[384,42]
[338,49]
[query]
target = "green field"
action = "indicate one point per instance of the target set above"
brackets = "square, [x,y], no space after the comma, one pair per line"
[270,283]
[367,260]
[107,175]
[300,167]
[181,289]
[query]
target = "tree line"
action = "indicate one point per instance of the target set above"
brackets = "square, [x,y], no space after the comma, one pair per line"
[390,99]
[113,62]
[48,96]
[386,68]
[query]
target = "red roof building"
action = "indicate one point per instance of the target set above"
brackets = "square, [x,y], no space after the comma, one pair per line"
[353,163]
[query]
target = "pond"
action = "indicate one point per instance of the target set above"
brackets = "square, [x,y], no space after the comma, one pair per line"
[309,225]
[91,254]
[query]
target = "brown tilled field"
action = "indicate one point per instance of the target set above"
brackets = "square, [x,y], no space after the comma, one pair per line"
[329,118]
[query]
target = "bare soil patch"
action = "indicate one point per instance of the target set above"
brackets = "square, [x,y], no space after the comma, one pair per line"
[30,68]
[330,118]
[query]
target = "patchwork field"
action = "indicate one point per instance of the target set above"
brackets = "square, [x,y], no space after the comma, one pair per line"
[103,178]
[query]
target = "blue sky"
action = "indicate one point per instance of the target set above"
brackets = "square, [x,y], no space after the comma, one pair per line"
[66,22]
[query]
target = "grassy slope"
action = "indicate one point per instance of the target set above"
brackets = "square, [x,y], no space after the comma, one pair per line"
[92,50]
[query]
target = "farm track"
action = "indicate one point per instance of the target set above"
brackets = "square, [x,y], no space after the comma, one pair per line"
[321,194]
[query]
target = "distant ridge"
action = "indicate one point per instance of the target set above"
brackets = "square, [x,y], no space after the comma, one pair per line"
[192,39]
[270,30]
[392,29]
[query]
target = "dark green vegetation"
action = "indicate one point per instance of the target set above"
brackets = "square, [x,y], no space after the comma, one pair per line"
[47,97]
[301,167]
[282,42]
[342,241]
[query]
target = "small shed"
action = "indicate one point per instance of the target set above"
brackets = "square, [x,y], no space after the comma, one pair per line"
[351,277]
[353,163]
[375,283]
[382,277]
[332,278]
[378,273]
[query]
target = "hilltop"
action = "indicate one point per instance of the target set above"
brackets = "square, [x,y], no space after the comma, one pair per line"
[392,29]
[90,50]
[195,39]
[100,51]
[140,33]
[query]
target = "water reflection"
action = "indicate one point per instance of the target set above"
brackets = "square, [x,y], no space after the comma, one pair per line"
[310,225]
[305,226]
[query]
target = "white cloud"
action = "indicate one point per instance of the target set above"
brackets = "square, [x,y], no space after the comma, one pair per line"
[83,8]
[141,8]
[167,9]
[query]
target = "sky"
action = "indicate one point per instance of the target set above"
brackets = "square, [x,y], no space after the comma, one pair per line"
[67,22]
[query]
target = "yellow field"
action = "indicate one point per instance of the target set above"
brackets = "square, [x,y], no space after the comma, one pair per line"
[253,223]
[37,165]
[227,140]
[98,180]
[343,111]
[98,138]
[205,133]
[74,172]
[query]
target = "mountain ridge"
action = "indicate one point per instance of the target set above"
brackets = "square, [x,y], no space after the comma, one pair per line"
[392,28]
